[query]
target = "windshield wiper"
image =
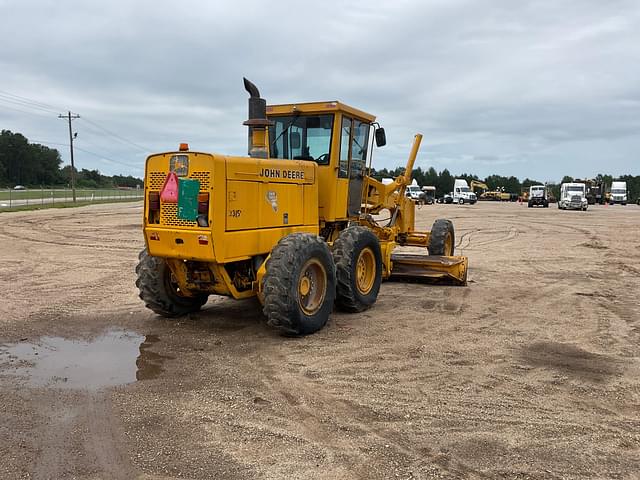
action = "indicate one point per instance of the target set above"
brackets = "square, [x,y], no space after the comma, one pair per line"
[293,120]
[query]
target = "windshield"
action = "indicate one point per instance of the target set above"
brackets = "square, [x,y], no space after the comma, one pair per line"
[302,137]
[464,189]
[576,188]
[618,190]
[414,189]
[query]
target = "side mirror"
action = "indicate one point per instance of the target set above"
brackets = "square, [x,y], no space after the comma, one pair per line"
[294,139]
[381,137]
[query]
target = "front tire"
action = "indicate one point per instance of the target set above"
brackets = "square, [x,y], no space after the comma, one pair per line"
[160,291]
[442,240]
[358,261]
[461,201]
[299,284]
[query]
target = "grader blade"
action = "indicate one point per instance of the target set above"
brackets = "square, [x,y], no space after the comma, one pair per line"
[451,270]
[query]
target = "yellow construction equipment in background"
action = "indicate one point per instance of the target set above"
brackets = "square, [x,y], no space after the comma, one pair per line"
[475,184]
[294,223]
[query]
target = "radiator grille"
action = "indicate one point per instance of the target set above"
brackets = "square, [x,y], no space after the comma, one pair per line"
[203,178]
[156,181]
[169,216]
[169,211]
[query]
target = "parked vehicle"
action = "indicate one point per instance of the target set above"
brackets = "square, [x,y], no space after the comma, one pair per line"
[618,193]
[447,198]
[573,197]
[415,193]
[19,187]
[538,196]
[462,193]
[429,194]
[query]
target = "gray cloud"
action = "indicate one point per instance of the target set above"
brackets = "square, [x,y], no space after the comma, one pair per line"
[538,89]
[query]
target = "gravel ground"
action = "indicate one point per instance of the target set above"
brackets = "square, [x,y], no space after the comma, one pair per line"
[529,372]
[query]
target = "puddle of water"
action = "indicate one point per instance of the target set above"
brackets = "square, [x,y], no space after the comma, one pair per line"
[116,357]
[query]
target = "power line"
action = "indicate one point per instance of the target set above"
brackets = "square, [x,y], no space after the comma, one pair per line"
[42,142]
[88,129]
[24,104]
[98,155]
[24,111]
[103,157]
[115,135]
[29,100]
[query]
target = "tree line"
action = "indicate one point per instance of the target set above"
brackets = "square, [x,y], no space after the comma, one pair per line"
[443,181]
[35,165]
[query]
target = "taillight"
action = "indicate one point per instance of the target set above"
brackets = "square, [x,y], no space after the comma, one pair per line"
[203,209]
[203,203]
[153,202]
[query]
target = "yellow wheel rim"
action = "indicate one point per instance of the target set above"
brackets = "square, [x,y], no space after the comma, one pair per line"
[448,245]
[312,286]
[365,271]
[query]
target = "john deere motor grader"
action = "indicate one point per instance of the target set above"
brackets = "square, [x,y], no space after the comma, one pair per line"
[293,223]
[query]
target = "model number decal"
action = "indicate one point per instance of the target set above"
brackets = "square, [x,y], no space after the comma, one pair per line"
[235,213]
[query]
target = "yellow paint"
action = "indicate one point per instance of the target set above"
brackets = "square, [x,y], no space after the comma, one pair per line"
[254,203]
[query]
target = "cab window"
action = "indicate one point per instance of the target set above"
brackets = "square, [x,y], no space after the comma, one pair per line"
[354,138]
[345,137]
[301,137]
[359,140]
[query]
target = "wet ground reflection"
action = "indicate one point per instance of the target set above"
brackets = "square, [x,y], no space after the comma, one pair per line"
[115,357]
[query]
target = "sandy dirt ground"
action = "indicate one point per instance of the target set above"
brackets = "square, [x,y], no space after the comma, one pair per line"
[531,371]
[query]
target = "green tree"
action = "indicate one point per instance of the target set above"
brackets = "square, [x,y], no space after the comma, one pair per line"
[566,179]
[444,184]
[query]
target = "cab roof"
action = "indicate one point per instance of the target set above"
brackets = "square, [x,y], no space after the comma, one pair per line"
[319,107]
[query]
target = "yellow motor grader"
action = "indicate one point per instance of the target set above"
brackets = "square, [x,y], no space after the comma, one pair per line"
[296,223]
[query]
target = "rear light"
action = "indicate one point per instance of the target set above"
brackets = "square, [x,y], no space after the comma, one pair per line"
[203,209]
[203,203]
[154,201]
[153,207]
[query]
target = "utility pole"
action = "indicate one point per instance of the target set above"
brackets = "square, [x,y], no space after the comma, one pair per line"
[70,117]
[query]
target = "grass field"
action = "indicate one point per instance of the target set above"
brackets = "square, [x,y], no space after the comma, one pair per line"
[37,194]
[65,204]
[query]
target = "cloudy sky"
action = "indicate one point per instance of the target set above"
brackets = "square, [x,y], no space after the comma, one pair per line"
[534,88]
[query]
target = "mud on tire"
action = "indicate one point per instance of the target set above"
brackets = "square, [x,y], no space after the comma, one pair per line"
[358,260]
[442,240]
[159,292]
[299,285]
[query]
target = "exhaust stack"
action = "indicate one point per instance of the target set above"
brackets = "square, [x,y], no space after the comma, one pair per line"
[257,122]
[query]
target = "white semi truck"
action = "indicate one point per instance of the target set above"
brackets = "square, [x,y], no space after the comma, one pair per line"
[573,197]
[618,193]
[462,193]
[538,196]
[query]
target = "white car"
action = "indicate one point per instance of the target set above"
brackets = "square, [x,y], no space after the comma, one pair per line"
[19,187]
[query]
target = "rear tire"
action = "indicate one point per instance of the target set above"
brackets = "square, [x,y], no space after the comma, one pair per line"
[442,240]
[358,260]
[299,284]
[160,292]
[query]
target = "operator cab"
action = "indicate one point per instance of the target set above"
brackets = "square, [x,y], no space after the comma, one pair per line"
[337,138]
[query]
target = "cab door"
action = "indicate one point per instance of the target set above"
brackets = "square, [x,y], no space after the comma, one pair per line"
[354,139]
